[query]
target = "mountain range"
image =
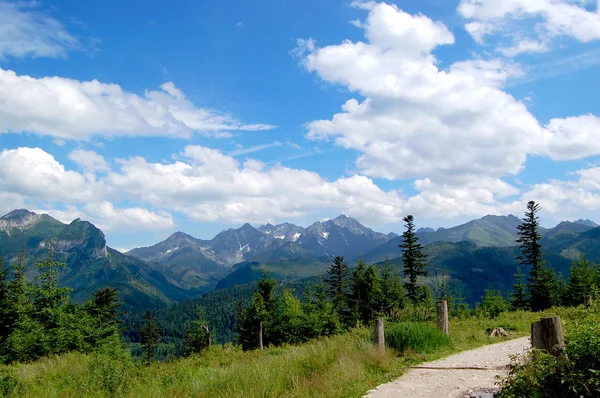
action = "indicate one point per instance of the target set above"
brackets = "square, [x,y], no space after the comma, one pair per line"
[474,255]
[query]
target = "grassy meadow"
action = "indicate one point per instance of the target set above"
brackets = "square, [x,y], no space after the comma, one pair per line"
[345,365]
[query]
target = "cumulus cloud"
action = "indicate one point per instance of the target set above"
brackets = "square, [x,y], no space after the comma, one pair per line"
[208,186]
[89,160]
[70,109]
[26,31]
[204,184]
[419,121]
[551,18]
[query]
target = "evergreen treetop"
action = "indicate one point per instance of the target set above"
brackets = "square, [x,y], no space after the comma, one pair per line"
[413,259]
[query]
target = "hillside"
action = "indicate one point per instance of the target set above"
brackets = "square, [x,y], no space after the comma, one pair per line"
[89,263]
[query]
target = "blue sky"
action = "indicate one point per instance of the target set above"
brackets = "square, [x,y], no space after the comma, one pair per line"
[200,116]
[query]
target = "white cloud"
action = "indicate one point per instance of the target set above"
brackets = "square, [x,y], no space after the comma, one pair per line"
[32,176]
[210,186]
[552,18]
[418,121]
[26,31]
[573,137]
[89,160]
[34,173]
[524,46]
[70,109]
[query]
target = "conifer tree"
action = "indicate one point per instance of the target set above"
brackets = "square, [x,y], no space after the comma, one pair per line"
[519,296]
[150,336]
[197,338]
[413,259]
[393,294]
[543,288]
[531,254]
[581,281]
[359,292]
[262,308]
[338,284]
[103,308]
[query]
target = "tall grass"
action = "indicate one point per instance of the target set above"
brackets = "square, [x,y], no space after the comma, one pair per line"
[419,337]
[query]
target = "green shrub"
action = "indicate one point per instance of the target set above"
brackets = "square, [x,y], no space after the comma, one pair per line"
[575,375]
[419,336]
[110,368]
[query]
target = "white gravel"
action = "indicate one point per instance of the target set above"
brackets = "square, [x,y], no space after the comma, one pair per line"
[455,383]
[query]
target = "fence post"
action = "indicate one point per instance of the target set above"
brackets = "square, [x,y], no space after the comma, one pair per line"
[547,335]
[260,337]
[442,313]
[379,336]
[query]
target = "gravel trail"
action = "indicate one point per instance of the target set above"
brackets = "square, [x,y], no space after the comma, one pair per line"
[455,383]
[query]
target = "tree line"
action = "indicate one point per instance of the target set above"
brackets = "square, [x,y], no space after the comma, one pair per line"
[37,317]
[344,300]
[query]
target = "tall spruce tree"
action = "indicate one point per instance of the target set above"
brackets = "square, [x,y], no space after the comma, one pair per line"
[413,259]
[150,336]
[338,284]
[542,280]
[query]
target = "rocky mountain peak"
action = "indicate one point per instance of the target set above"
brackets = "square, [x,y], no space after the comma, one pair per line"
[17,214]
[587,223]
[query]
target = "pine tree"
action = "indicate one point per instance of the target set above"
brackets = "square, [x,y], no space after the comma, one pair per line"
[103,308]
[197,338]
[519,296]
[542,281]
[263,308]
[413,259]
[359,293]
[49,299]
[150,336]
[338,284]
[392,289]
[581,281]
[544,289]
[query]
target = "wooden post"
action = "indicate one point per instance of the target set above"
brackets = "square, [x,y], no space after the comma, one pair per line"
[379,337]
[442,313]
[547,335]
[260,339]
[587,301]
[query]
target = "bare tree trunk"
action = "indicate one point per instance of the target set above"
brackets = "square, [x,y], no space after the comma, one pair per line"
[442,313]
[207,332]
[378,335]
[260,336]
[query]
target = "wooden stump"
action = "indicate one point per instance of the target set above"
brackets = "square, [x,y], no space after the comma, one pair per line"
[442,313]
[378,334]
[260,337]
[496,332]
[547,335]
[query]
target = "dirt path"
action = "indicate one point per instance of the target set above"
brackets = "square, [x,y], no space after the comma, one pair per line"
[454,383]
